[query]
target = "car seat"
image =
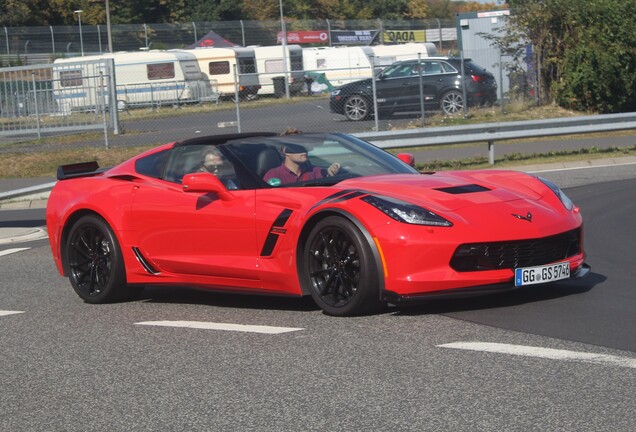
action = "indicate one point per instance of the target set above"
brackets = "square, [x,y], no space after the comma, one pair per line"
[267,159]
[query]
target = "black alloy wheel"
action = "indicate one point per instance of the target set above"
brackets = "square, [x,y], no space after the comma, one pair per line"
[95,263]
[340,268]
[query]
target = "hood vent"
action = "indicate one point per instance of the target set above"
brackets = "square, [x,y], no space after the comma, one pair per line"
[464,189]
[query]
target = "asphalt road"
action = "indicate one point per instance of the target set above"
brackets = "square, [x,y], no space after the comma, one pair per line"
[70,366]
[314,116]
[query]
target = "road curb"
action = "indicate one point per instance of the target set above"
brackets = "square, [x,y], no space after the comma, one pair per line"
[21,235]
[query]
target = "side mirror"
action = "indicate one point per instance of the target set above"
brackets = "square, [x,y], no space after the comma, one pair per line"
[205,183]
[407,158]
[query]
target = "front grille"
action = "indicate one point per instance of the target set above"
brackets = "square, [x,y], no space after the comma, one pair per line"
[514,254]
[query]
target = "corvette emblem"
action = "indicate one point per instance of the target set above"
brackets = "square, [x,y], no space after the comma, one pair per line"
[527,217]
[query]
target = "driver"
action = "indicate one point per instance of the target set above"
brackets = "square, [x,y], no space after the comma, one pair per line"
[296,167]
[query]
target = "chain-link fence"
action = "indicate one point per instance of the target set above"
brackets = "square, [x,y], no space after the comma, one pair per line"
[31,45]
[164,96]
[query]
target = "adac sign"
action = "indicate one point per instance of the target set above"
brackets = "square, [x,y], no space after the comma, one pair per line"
[404,36]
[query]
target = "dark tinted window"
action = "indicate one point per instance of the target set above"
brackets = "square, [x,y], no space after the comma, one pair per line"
[160,71]
[219,68]
[71,78]
[247,65]
[296,63]
[472,67]
[449,68]
[152,165]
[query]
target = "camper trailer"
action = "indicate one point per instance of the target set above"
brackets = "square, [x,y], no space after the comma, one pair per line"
[270,64]
[221,64]
[385,55]
[340,65]
[145,78]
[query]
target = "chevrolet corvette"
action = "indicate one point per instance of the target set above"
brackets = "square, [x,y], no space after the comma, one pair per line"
[323,215]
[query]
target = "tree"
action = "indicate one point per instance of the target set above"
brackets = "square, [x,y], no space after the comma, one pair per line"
[417,9]
[585,50]
[599,68]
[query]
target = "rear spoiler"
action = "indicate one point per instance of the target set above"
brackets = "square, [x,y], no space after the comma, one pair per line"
[81,169]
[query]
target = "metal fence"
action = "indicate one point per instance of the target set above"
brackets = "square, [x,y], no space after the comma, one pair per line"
[34,45]
[35,104]
[73,95]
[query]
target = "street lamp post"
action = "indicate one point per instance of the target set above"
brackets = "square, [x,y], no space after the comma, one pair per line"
[108,29]
[284,44]
[79,17]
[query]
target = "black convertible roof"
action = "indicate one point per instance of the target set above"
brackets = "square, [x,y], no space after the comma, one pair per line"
[220,139]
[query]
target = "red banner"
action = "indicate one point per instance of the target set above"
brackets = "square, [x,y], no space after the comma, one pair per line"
[299,37]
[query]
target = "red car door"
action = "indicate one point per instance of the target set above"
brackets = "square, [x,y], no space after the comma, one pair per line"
[196,234]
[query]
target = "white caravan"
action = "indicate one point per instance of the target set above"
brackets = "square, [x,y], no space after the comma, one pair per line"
[271,67]
[340,65]
[221,64]
[385,55]
[144,78]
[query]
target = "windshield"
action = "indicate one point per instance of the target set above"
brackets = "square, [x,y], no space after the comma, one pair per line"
[310,159]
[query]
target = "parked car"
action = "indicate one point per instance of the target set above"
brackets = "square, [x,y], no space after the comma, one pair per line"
[398,88]
[371,232]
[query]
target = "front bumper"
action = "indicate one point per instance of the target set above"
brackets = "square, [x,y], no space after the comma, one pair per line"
[394,298]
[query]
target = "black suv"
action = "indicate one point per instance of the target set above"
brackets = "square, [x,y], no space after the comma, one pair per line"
[397,88]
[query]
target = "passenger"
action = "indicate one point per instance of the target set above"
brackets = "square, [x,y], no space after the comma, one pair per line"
[296,167]
[213,162]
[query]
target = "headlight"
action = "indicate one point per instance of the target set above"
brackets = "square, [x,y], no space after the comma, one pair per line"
[405,212]
[335,92]
[567,202]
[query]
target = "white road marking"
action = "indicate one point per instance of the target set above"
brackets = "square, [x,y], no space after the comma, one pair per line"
[4,312]
[546,353]
[582,167]
[221,326]
[10,251]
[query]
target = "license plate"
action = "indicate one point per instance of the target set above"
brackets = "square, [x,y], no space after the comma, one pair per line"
[542,274]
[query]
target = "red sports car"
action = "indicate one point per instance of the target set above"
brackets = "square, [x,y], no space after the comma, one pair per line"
[326,215]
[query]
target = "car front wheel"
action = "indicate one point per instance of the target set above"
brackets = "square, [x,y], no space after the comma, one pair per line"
[95,263]
[452,102]
[340,270]
[357,107]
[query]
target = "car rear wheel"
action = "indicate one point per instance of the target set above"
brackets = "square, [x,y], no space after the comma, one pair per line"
[357,107]
[95,263]
[452,102]
[340,270]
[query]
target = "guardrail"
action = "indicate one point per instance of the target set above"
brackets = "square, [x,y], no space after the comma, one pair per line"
[30,191]
[485,132]
[491,132]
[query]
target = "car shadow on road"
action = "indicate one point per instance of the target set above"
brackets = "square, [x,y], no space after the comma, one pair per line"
[180,295]
[516,297]
[533,294]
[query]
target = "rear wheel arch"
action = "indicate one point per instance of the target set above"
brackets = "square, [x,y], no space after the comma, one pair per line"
[94,259]
[68,225]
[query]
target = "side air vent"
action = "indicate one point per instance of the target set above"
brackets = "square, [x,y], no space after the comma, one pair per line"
[144,263]
[457,190]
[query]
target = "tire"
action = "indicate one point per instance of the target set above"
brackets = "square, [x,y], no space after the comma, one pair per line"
[122,105]
[95,263]
[357,107]
[340,270]
[452,102]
